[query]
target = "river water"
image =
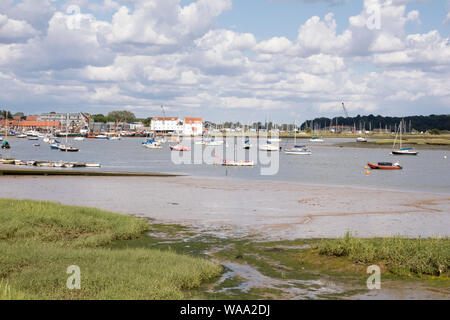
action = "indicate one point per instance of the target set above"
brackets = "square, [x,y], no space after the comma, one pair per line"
[329,164]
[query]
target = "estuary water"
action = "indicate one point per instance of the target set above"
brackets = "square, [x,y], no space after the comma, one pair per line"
[328,165]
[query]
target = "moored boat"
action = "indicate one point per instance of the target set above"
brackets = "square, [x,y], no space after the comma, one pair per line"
[298,150]
[232,163]
[269,147]
[361,139]
[316,139]
[68,149]
[402,151]
[385,166]
[405,151]
[179,147]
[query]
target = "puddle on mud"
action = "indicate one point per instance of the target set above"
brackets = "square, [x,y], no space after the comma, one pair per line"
[291,289]
[241,280]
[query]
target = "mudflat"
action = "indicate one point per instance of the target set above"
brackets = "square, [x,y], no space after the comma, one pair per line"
[226,206]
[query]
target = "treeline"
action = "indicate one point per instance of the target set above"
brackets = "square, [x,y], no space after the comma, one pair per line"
[120,116]
[371,122]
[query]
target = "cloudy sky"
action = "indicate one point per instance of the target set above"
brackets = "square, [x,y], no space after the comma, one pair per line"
[226,60]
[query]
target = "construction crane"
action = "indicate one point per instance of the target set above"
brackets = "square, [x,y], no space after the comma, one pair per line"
[345,110]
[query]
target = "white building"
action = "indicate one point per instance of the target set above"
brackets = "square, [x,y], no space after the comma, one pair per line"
[189,127]
[136,126]
[193,126]
[166,124]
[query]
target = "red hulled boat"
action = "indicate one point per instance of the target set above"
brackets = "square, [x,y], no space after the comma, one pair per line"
[385,166]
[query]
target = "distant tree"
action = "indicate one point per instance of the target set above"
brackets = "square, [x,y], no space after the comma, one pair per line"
[147,121]
[308,130]
[99,118]
[123,115]
[435,132]
[19,114]
[5,114]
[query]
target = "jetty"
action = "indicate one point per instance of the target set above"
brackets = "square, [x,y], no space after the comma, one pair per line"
[21,171]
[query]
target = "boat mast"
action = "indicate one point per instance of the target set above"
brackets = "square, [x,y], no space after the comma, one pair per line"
[67,128]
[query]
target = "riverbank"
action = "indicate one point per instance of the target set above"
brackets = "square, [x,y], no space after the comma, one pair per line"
[159,261]
[40,240]
[387,144]
[13,170]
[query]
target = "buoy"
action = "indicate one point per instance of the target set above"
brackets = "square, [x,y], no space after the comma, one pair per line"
[445,157]
[366,167]
[368,173]
[215,163]
[217,155]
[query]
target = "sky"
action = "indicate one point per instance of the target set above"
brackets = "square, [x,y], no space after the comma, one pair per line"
[226,60]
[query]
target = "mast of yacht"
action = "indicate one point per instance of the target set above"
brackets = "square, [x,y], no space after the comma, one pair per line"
[67,129]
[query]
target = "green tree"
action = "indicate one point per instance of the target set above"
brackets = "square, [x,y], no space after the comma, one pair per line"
[435,132]
[147,121]
[99,118]
[123,115]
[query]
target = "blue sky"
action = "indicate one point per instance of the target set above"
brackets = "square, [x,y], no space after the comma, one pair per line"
[226,60]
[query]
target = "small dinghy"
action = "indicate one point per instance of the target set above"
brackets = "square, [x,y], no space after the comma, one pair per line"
[179,147]
[385,166]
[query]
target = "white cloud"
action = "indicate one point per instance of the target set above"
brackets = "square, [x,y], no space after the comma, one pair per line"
[161,52]
[274,45]
[13,31]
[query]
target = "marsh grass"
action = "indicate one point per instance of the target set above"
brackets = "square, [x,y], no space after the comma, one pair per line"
[403,256]
[39,240]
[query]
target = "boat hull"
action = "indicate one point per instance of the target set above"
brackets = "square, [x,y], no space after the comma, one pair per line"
[405,153]
[383,167]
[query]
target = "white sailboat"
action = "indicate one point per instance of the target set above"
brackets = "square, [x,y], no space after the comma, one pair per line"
[298,150]
[402,151]
[67,148]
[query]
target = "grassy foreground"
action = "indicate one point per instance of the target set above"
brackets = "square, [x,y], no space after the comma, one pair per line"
[39,240]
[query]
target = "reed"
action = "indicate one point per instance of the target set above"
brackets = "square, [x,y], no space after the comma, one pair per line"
[428,256]
[39,240]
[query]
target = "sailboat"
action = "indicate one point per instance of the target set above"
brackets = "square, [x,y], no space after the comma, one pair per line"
[236,163]
[298,150]
[65,147]
[5,144]
[269,147]
[402,151]
[152,144]
[316,139]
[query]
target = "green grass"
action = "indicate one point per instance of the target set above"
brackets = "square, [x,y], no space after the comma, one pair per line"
[403,256]
[39,240]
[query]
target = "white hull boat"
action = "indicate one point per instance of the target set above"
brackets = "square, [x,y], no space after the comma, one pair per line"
[153,145]
[232,163]
[269,147]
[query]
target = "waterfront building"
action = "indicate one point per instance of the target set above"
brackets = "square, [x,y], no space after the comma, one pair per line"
[192,126]
[136,126]
[166,124]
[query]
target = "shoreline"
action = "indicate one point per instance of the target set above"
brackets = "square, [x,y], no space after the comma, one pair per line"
[232,207]
[373,145]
